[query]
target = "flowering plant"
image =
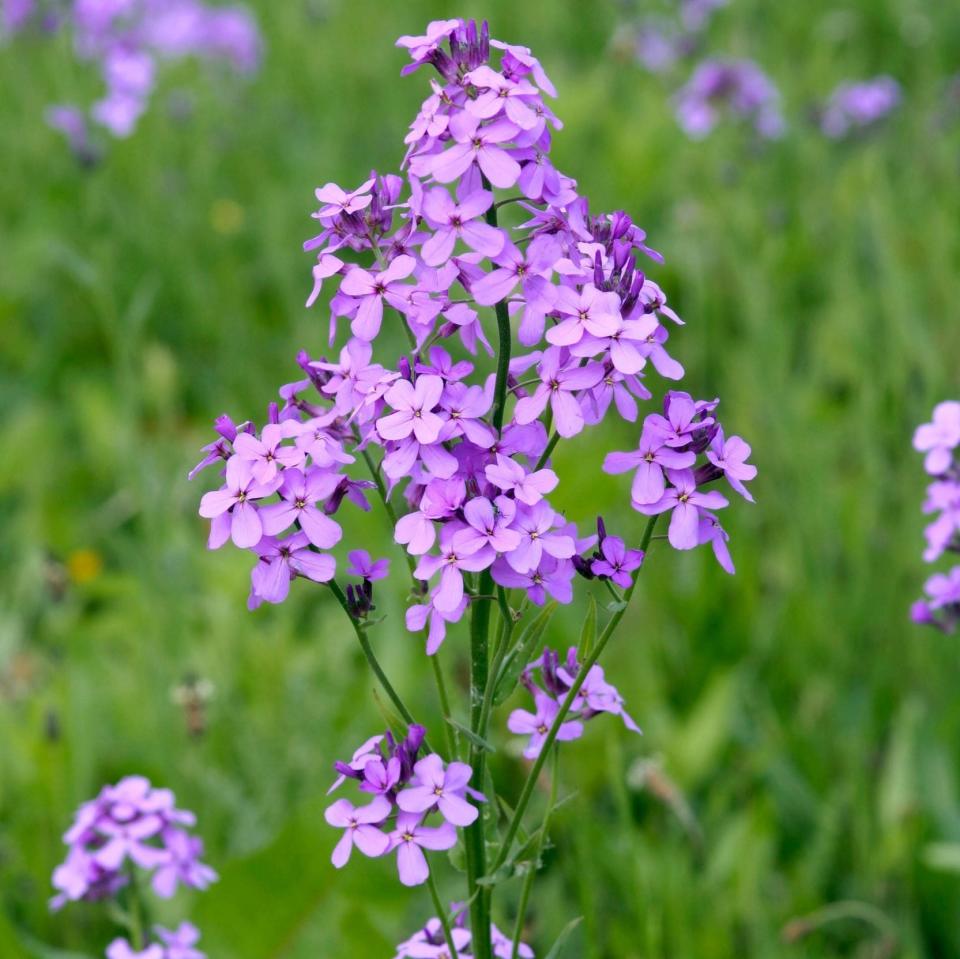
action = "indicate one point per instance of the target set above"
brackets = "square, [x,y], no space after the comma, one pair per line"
[939,441]
[462,464]
[129,831]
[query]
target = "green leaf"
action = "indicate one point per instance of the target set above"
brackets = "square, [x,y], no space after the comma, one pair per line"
[517,659]
[473,737]
[588,633]
[557,947]
[390,716]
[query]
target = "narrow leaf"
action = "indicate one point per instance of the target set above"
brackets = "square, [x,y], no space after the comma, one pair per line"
[520,655]
[563,937]
[473,737]
[588,634]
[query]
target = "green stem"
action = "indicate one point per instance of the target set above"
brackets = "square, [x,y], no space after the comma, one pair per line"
[546,453]
[532,874]
[548,742]
[442,915]
[372,659]
[475,839]
[452,736]
[135,913]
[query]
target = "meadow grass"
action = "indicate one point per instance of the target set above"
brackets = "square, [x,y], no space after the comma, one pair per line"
[800,744]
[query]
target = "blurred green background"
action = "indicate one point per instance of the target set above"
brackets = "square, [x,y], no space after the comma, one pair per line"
[801,737]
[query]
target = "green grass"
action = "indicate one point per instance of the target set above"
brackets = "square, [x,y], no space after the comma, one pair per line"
[800,743]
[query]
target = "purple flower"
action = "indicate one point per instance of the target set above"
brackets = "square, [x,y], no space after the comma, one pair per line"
[131,824]
[414,405]
[369,290]
[480,145]
[281,561]
[363,566]
[336,200]
[182,864]
[710,531]
[537,526]
[559,380]
[503,946]
[452,221]
[443,788]
[650,459]
[300,492]
[265,457]
[451,564]
[366,753]
[537,725]
[939,438]
[683,498]
[529,488]
[430,942]
[859,105]
[121,949]
[739,86]
[616,562]
[589,312]
[549,576]
[360,826]
[180,942]
[730,457]
[488,525]
[410,838]
[232,509]
[430,617]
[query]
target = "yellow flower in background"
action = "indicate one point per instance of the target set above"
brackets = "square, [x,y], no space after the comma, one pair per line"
[84,565]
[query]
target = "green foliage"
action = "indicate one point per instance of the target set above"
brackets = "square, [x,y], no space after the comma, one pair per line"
[800,736]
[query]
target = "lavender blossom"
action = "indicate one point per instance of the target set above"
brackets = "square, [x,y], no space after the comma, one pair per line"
[129,42]
[939,440]
[856,106]
[738,87]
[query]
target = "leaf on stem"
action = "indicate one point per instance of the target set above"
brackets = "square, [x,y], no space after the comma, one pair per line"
[588,634]
[516,660]
[557,947]
[471,736]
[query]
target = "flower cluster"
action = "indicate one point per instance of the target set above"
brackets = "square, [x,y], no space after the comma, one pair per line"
[556,679]
[474,466]
[285,477]
[128,40]
[855,106]
[739,87]
[668,478]
[658,43]
[939,441]
[430,942]
[406,792]
[134,826]
[456,434]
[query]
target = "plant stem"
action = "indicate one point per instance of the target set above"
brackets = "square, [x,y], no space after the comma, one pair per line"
[546,453]
[528,880]
[372,659]
[548,742]
[135,912]
[451,735]
[475,838]
[442,915]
